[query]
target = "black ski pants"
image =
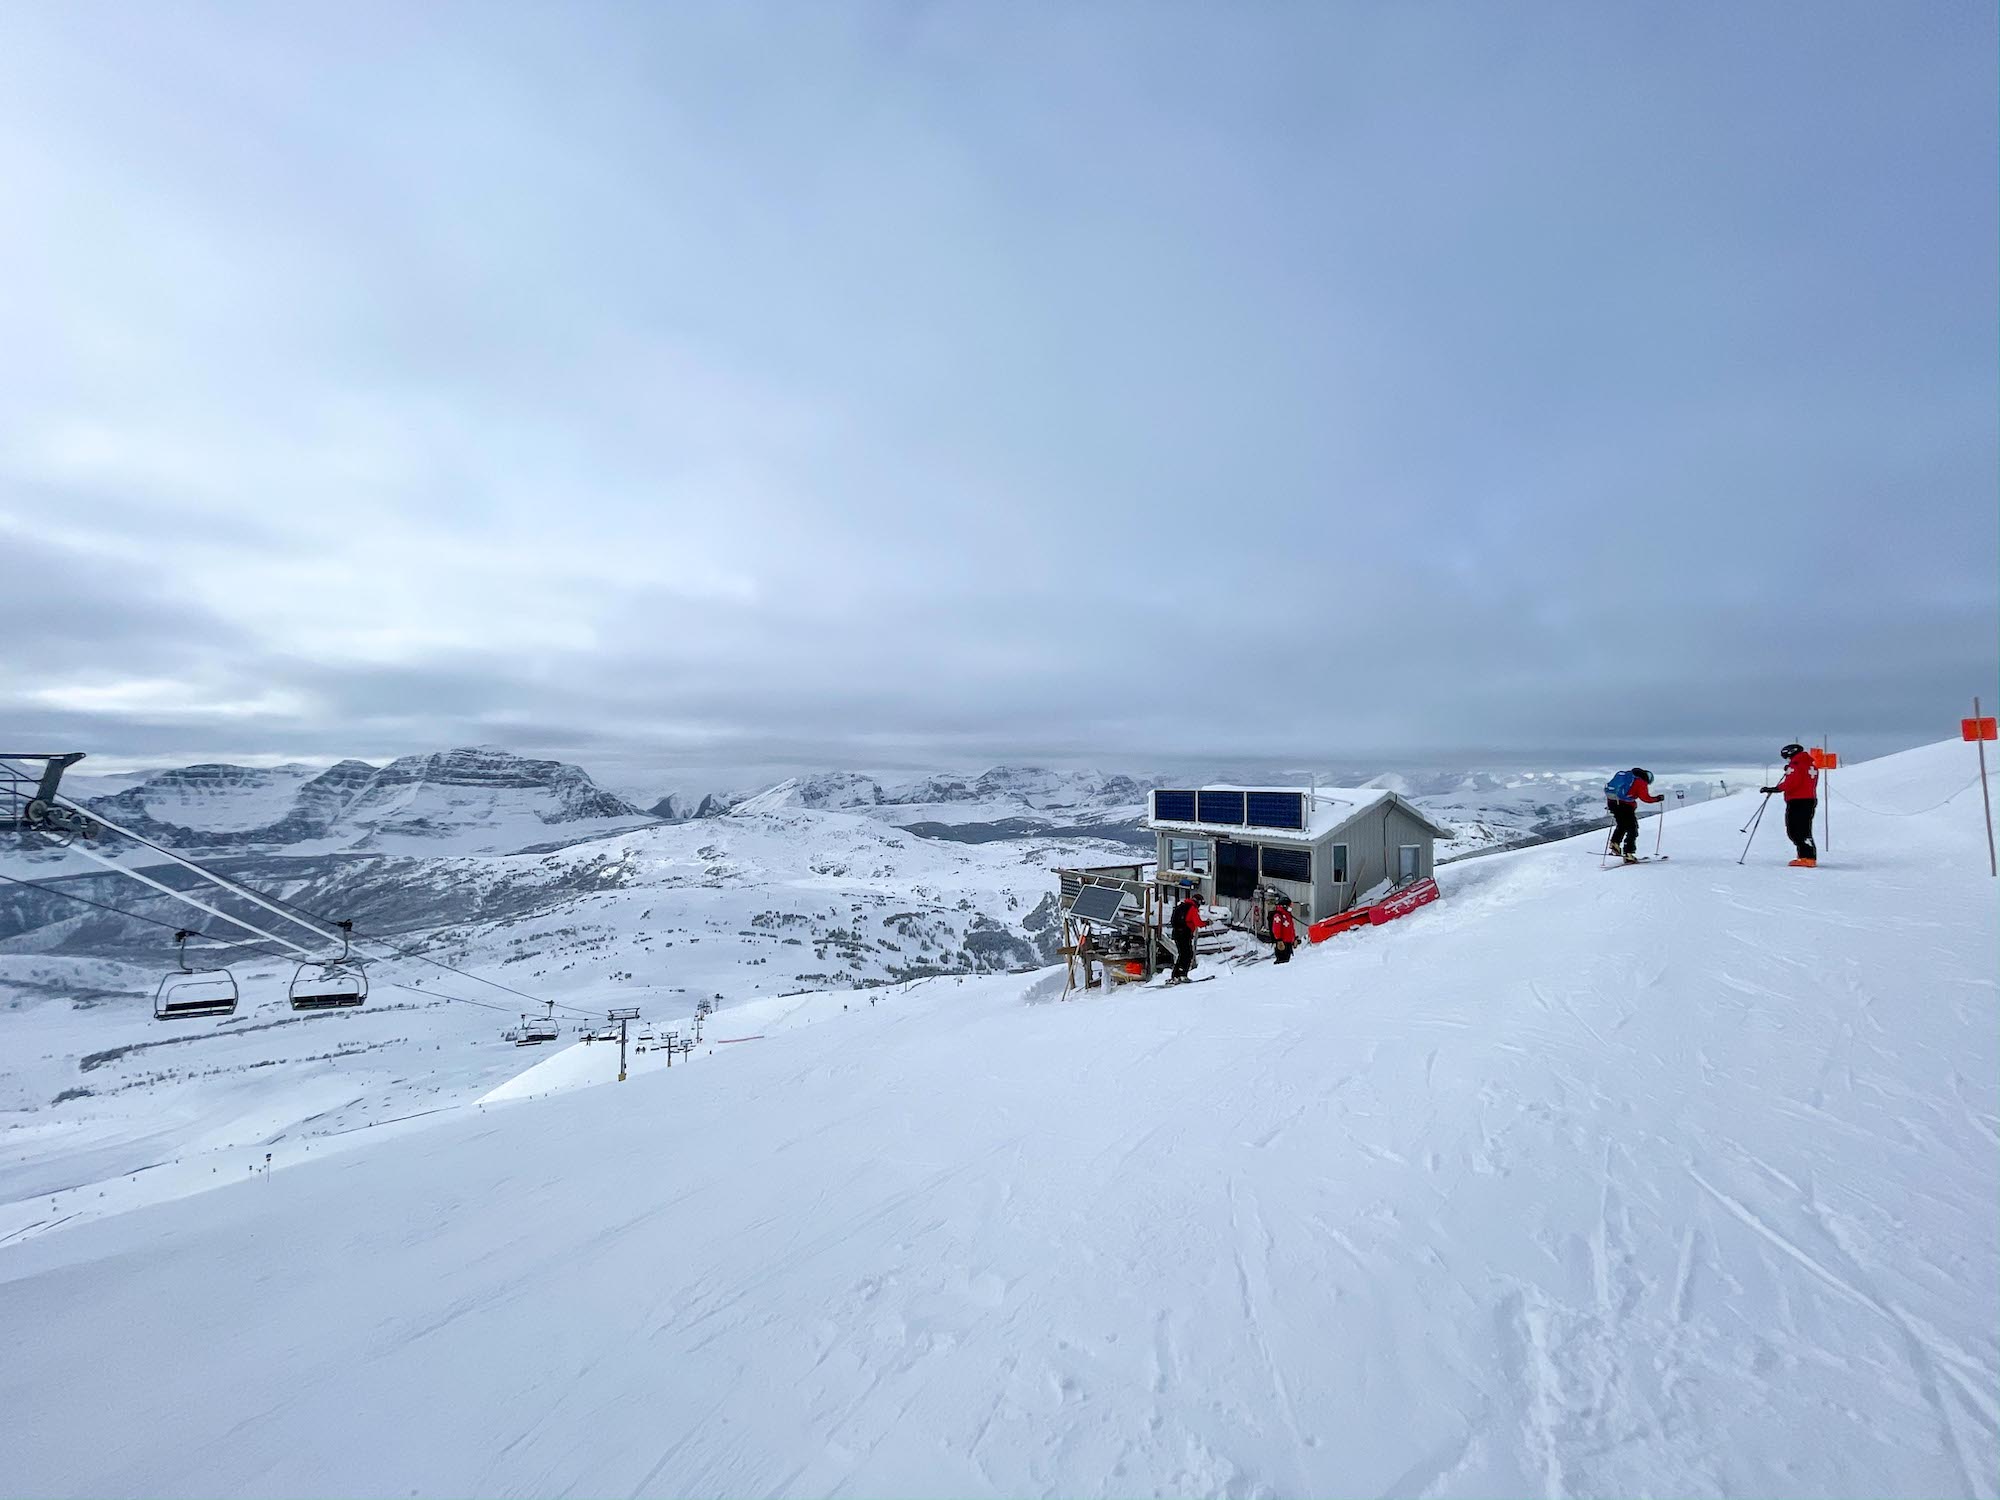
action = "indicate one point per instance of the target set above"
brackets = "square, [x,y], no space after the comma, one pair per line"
[1183,952]
[1624,826]
[1799,815]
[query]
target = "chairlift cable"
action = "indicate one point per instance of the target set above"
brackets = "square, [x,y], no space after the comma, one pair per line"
[112,864]
[134,916]
[198,868]
[296,914]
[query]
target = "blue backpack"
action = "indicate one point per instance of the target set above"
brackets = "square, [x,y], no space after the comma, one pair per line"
[1619,787]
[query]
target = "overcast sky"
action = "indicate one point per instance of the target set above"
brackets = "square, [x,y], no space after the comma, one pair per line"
[677,385]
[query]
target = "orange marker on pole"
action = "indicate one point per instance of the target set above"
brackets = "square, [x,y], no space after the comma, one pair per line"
[1979,731]
[1824,761]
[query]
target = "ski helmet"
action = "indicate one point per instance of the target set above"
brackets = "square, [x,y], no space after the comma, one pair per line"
[1641,773]
[1790,750]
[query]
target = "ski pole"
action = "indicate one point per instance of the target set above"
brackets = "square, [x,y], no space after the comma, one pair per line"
[1753,828]
[1755,816]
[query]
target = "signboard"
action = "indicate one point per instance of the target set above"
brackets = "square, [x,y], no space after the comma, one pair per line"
[1978,729]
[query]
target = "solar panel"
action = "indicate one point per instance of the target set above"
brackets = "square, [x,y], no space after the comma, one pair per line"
[1277,810]
[1174,807]
[1097,903]
[1221,807]
[1288,864]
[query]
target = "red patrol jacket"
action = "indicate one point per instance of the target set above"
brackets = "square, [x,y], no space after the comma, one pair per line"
[1800,783]
[1283,929]
[1642,791]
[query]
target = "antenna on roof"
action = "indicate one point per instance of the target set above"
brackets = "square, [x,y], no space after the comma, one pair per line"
[1313,802]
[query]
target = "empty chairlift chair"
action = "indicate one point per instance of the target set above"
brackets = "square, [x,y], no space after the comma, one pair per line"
[192,992]
[333,983]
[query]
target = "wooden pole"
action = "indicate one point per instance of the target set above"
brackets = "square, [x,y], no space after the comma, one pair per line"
[1826,802]
[1985,796]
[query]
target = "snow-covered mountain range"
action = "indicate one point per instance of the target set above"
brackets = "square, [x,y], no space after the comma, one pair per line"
[467,800]
[487,800]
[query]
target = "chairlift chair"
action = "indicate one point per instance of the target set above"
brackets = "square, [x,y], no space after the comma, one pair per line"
[331,984]
[535,1029]
[192,992]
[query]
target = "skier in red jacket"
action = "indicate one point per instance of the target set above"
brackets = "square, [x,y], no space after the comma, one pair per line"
[1185,923]
[1284,931]
[1622,795]
[1800,784]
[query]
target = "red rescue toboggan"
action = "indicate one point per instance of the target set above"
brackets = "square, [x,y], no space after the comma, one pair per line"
[1398,903]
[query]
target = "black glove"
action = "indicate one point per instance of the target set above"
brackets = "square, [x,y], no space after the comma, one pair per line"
[1767,790]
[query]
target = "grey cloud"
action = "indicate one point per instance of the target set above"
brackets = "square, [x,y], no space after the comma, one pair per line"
[879,382]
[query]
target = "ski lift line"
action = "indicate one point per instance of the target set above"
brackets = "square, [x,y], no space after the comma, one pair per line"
[202,870]
[120,911]
[316,924]
[167,890]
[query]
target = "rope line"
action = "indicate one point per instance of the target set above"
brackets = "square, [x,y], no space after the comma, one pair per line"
[1883,812]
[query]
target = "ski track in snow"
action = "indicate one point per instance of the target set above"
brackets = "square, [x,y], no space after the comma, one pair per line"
[1677,1184]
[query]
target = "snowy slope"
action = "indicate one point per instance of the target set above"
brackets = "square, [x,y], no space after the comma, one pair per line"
[657,917]
[1676,1179]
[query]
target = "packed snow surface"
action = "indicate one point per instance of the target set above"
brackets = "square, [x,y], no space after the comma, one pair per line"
[1677,1179]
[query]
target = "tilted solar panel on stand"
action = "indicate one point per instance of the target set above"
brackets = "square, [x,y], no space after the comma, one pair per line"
[1097,903]
[1174,806]
[1277,809]
[1221,807]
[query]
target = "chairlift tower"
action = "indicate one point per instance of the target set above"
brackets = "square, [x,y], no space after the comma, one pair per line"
[31,800]
[622,1016]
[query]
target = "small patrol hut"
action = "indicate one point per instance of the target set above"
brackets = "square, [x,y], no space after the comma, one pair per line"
[1322,846]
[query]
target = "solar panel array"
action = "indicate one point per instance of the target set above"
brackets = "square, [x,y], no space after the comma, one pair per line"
[1234,809]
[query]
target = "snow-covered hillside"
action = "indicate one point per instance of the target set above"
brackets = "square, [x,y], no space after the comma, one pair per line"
[656,917]
[1668,1179]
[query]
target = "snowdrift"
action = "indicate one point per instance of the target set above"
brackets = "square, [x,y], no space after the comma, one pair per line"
[1679,1178]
